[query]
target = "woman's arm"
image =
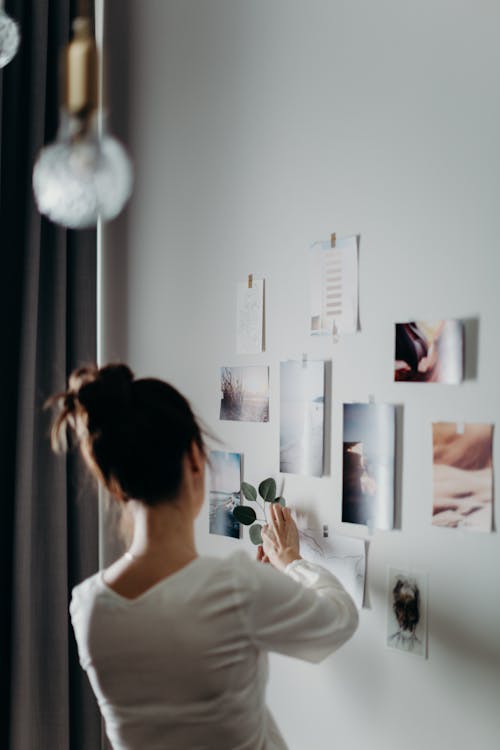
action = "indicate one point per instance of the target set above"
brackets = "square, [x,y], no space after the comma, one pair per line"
[303,610]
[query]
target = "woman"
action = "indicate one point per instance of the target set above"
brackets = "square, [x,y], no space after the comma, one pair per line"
[175,644]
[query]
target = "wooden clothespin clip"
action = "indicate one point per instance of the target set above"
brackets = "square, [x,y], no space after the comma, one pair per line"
[250,280]
[333,240]
[304,360]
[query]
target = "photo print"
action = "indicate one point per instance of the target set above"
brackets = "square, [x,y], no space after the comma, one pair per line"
[407,612]
[368,486]
[463,476]
[244,394]
[343,556]
[225,493]
[250,317]
[302,417]
[429,352]
[334,287]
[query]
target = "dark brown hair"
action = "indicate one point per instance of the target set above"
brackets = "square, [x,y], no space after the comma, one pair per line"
[132,433]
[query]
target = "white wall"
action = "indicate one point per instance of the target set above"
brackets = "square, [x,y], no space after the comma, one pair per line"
[257,127]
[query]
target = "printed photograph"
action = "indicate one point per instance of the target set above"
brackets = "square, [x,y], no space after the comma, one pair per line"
[334,287]
[250,317]
[244,394]
[463,475]
[302,415]
[369,447]
[429,352]
[344,556]
[225,494]
[407,612]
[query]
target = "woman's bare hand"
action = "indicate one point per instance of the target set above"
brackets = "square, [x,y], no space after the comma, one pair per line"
[280,537]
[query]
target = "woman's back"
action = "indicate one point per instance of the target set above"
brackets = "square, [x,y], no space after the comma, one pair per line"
[184,664]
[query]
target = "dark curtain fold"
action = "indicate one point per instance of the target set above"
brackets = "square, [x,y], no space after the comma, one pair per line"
[49,529]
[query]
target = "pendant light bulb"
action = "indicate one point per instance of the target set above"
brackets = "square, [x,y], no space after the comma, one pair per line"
[86,174]
[9,37]
[79,179]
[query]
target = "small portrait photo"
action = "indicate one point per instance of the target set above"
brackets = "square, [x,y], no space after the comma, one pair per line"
[429,352]
[225,492]
[463,476]
[407,612]
[244,394]
[368,481]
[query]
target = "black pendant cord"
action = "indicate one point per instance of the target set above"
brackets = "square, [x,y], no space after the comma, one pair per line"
[83,9]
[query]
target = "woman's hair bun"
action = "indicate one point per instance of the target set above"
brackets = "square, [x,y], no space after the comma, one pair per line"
[118,377]
[106,396]
[133,434]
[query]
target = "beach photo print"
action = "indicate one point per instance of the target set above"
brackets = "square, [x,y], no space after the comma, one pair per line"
[244,394]
[302,417]
[368,482]
[225,481]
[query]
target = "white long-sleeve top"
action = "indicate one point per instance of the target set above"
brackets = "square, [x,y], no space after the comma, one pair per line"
[183,666]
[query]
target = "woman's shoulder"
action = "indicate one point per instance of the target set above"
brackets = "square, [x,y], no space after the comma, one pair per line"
[233,566]
[87,585]
[237,571]
[87,588]
[250,576]
[241,564]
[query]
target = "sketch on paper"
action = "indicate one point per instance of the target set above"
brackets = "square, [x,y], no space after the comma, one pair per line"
[463,475]
[334,287]
[302,416]
[225,495]
[245,394]
[368,486]
[429,352]
[407,612]
[344,556]
[250,318]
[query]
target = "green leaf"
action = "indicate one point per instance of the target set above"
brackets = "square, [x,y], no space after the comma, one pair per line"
[267,490]
[255,534]
[244,514]
[281,501]
[249,491]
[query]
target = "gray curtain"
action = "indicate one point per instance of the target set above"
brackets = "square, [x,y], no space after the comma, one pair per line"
[49,532]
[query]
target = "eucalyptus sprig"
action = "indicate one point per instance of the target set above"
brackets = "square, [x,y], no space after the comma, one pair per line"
[247,516]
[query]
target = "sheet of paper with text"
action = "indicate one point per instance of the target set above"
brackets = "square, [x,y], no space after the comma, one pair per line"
[334,287]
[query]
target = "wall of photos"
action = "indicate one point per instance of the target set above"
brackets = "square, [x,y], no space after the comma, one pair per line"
[264,127]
